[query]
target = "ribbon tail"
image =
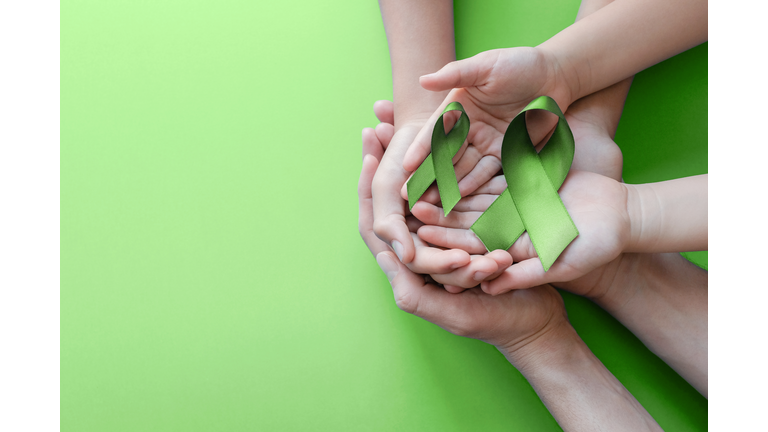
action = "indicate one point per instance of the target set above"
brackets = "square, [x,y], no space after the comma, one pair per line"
[420,181]
[500,226]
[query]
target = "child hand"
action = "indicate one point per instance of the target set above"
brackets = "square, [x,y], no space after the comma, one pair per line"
[493,87]
[597,205]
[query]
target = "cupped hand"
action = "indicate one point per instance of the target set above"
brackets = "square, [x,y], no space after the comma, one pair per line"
[596,204]
[456,269]
[493,87]
[389,209]
[508,321]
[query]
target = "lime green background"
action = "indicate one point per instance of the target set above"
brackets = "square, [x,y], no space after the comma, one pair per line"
[212,276]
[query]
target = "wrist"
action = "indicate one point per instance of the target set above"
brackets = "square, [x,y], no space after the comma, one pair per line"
[417,107]
[563,83]
[642,205]
[544,347]
[410,120]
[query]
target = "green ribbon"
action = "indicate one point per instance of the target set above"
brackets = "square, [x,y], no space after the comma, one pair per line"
[531,201]
[439,164]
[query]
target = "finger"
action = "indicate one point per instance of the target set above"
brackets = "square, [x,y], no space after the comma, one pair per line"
[413,223]
[430,260]
[494,186]
[452,238]
[523,275]
[417,297]
[389,209]
[503,261]
[432,195]
[471,72]
[384,132]
[470,275]
[432,215]
[372,145]
[523,248]
[365,216]
[384,111]
[475,203]
[482,172]
[453,289]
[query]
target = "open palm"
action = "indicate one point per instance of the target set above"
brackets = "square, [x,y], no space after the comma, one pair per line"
[493,87]
[596,204]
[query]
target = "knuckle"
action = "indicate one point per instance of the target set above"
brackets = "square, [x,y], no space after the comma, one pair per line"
[406,302]
[381,229]
[465,328]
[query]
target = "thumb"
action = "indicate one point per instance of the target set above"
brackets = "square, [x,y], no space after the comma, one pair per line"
[522,275]
[471,72]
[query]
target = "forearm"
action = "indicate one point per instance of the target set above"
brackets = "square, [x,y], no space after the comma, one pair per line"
[624,38]
[668,216]
[577,389]
[421,41]
[662,299]
[605,106]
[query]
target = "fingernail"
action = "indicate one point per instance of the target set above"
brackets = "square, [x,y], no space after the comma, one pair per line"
[386,263]
[480,276]
[398,248]
[428,75]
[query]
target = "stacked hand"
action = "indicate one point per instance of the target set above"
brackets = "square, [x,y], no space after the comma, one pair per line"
[597,205]
[510,321]
[595,151]
[493,87]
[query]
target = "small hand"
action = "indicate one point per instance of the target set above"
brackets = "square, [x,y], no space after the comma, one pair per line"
[596,204]
[593,120]
[493,87]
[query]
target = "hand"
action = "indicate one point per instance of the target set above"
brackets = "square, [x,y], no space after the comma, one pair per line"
[389,209]
[456,269]
[493,87]
[529,327]
[597,205]
[509,322]
[593,120]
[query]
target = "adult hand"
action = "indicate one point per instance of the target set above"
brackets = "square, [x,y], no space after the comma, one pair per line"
[456,269]
[508,322]
[529,327]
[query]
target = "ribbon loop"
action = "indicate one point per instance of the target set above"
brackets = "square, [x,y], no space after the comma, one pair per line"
[531,202]
[439,164]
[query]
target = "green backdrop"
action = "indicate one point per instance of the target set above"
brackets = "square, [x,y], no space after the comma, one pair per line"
[209,285]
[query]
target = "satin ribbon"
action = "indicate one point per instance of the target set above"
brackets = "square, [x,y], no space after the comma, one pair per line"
[531,202]
[439,164]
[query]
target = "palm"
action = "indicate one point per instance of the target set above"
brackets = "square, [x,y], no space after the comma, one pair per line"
[504,320]
[516,77]
[504,82]
[597,206]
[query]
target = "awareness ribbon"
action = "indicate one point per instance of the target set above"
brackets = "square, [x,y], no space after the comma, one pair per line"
[439,164]
[531,202]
